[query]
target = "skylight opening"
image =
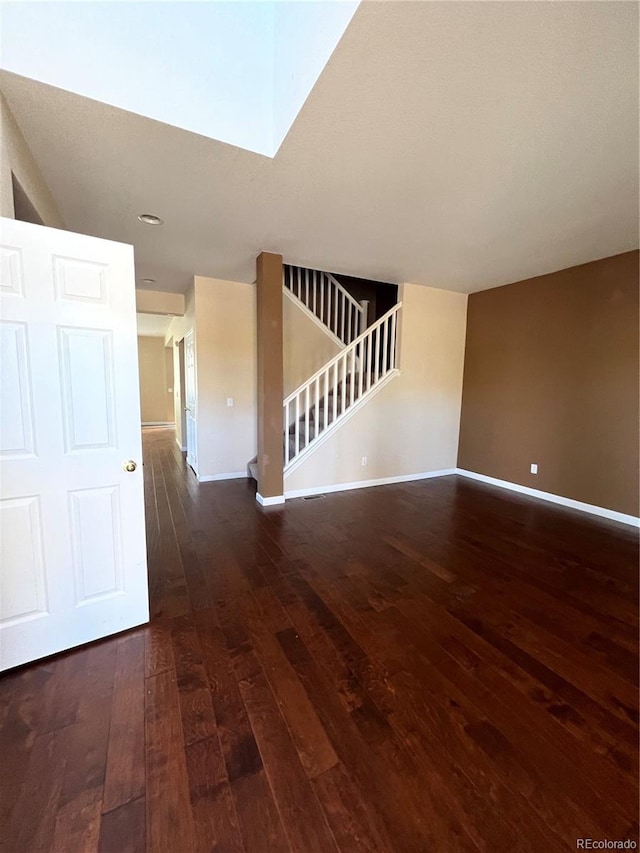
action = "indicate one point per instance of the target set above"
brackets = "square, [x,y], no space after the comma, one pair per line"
[238,72]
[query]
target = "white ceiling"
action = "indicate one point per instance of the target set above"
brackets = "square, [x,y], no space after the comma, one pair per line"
[461,145]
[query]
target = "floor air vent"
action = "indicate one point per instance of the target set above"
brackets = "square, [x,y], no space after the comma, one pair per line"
[313,497]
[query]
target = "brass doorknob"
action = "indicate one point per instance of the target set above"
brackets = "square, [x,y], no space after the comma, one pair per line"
[130,465]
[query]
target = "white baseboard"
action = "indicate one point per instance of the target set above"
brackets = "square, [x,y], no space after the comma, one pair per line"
[158,424]
[555,499]
[182,448]
[212,478]
[274,501]
[365,484]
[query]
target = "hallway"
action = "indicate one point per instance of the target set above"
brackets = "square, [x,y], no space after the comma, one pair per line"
[433,666]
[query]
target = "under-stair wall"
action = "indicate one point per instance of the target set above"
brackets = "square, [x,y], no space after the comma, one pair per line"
[306,344]
[409,429]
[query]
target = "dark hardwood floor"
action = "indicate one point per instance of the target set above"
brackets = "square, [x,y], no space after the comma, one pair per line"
[436,666]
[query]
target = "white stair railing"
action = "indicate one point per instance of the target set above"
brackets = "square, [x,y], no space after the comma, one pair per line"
[325,398]
[323,295]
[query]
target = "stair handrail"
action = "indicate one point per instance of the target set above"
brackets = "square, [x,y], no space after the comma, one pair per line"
[345,292]
[344,353]
[302,279]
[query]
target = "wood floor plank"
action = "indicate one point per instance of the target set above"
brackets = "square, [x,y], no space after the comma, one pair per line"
[87,753]
[78,824]
[169,820]
[213,808]
[33,821]
[123,830]
[303,819]
[125,768]
[196,707]
[312,744]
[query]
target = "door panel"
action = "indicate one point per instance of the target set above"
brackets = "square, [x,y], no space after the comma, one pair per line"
[17,432]
[73,556]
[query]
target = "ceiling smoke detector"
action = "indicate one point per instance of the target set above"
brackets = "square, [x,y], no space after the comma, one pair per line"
[150,219]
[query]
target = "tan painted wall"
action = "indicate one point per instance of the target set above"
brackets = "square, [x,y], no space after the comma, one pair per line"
[226,367]
[223,317]
[15,157]
[155,363]
[306,347]
[159,302]
[551,377]
[411,425]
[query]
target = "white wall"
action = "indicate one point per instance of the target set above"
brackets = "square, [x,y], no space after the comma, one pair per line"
[15,157]
[411,426]
[306,346]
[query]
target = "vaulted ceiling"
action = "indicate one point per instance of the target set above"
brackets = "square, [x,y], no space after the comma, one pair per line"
[460,145]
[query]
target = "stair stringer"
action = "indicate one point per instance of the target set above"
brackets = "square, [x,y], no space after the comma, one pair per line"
[326,434]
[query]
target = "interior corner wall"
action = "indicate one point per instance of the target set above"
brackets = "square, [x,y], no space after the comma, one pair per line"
[551,377]
[410,427]
[156,380]
[16,158]
[226,353]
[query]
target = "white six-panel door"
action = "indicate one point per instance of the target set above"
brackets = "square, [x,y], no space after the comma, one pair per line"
[72,554]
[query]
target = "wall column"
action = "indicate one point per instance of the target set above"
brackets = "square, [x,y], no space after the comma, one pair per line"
[270,381]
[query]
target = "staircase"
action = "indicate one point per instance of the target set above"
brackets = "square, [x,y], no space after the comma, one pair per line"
[367,360]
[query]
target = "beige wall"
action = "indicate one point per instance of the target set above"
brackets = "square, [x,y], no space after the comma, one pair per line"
[226,367]
[306,347]
[551,377]
[15,157]
[156,379]
[411,426]
[223,317]
[159,302]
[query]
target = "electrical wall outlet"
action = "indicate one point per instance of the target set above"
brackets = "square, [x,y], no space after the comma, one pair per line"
[229,401]
[363,461]
[534,467]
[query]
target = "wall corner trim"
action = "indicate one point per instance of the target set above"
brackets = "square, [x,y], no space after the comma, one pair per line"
[601,511]
[272,501]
